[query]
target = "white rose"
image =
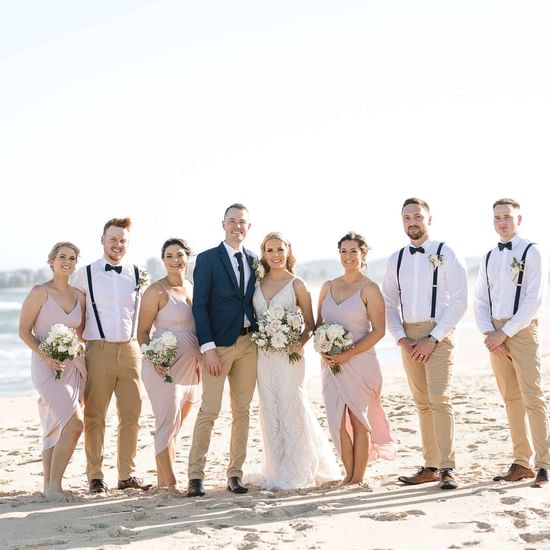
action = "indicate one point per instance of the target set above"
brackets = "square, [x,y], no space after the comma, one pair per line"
[334,331]
[278,341]
[277,312]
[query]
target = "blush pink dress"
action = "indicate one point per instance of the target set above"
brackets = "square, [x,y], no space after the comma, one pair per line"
[59,399]
[359,384]
[168,398]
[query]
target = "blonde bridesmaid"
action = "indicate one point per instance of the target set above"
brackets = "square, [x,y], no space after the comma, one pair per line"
[60,401]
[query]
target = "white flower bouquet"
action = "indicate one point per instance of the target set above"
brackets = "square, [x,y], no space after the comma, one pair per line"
[332,339]
[161,351]
[279,330]
[61,344]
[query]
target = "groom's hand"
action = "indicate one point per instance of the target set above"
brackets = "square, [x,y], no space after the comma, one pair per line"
[213,361]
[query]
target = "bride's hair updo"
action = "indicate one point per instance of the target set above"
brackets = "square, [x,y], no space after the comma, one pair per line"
[290,261]
[360,240]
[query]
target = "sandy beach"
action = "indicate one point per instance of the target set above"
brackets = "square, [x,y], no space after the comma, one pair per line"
[384,515]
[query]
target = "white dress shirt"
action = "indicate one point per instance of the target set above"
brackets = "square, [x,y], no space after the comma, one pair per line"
[416,279]
[503,284]
[114,296]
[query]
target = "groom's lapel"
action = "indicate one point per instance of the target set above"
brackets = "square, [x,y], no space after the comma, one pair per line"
[252,281]
[224,257]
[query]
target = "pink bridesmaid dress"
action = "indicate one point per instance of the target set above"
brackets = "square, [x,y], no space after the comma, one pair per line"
[358,385]
[168,398]
[59,399]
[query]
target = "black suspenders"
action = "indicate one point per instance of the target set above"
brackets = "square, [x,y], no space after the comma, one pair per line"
[434,282]
[518,284]
[92,299]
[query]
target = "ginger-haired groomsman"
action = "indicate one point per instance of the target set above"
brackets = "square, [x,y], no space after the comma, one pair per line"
[113,357]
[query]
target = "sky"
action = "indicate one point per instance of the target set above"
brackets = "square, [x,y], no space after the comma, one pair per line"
[320,116]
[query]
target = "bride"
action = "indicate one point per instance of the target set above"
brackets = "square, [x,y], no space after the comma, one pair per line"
[296,451]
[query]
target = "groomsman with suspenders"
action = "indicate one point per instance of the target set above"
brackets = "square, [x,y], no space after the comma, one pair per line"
[425,290]
[113,356]
[510,292]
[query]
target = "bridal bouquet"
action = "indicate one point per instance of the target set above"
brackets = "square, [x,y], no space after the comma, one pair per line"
[61,344]
[279,330]
[332,339]
[161,351]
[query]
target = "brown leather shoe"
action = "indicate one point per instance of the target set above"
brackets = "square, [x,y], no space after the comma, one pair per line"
[542,478]
[195,488]
[424,475]
[516,472]
[133,483]
[235,486]
[97,486]
[448,479]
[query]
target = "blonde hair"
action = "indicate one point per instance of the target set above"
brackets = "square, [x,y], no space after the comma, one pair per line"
[290,260]
[57,246]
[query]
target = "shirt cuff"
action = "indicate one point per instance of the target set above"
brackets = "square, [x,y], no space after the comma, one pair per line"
[208,346]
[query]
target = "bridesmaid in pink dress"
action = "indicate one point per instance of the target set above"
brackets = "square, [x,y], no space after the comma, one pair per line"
[357,422]
[60,402]
[166,305]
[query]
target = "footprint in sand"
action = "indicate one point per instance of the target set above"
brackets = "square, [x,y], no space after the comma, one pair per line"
[535,537]
[510,500]
[301,525]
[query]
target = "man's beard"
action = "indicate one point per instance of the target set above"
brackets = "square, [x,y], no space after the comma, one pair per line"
[415,233]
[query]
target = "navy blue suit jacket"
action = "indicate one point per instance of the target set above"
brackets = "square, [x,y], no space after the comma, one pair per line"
[218,307]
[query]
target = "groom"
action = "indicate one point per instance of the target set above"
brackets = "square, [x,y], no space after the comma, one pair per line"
[222,307]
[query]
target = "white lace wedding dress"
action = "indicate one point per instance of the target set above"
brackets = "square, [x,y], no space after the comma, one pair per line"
[296,451]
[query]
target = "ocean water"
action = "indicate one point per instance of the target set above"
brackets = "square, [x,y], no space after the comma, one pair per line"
[15,356]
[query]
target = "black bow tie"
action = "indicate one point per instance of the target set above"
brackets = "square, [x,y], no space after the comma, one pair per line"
[117,268]
[415,249]
[502,246]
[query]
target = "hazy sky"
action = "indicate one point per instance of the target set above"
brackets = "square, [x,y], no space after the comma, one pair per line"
[320,116]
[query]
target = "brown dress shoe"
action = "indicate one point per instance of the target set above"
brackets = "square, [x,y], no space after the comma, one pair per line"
[235,486]
[424,475]
[516,472]
[97,486]
[448,479]
[542,478]
[133,483]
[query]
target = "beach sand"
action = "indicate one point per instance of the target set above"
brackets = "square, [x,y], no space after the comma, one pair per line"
[384,515]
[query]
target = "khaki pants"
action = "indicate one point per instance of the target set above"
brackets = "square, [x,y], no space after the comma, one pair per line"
[518,379]
[239,366]
[430,385]
[112,367]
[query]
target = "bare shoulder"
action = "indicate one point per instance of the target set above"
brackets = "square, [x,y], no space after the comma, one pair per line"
[154,289]
[299,285]
[370,290]
[37,295]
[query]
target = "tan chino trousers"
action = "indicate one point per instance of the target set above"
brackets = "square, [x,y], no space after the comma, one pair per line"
[518,379]
[430,385]
[112,367]
[239,367]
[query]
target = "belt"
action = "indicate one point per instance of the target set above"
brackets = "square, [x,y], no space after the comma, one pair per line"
[246,330]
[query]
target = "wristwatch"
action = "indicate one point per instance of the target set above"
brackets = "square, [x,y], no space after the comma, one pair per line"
[432,339]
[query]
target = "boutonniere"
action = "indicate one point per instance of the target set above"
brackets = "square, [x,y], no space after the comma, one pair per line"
[259,269]
[143,279]
[436,260]
[517,267]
